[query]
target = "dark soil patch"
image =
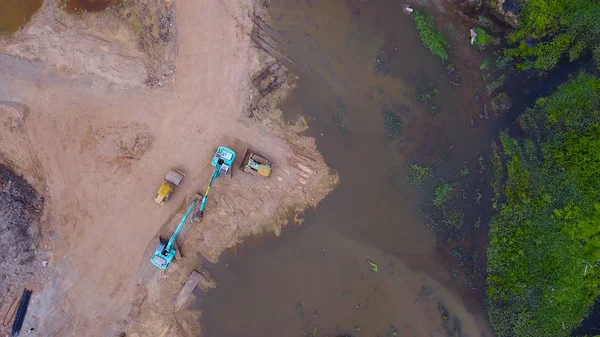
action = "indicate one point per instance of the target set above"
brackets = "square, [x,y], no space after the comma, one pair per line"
[20,233]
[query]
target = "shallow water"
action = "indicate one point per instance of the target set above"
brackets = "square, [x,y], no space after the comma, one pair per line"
[356,59]
[15,13]
[78,6]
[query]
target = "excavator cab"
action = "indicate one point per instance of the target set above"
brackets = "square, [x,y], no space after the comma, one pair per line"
[161,258]
[223,160]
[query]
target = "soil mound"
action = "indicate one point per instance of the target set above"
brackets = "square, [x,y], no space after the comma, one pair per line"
[20,211]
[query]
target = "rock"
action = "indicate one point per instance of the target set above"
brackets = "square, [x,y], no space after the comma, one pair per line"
[473,35]
[484,114]
[44,263]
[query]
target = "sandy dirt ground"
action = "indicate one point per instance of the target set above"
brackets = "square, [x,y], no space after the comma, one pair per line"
[97,140]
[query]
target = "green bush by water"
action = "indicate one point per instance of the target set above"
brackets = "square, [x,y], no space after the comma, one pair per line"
[555,29]
[419,175]
[393,124]
[544,242]
[441,195]
[433,39]
[502,60]
[484,64]
[483,38]
[426,92]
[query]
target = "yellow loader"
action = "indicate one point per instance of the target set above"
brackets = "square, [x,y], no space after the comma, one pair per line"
[172,179]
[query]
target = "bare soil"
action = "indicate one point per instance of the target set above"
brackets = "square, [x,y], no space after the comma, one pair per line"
[96,137]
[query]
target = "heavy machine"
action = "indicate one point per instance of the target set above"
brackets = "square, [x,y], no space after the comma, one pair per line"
[255,164]
[172,179]
[164,252]
[222,161]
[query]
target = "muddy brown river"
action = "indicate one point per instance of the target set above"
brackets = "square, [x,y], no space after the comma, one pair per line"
[15,13]
[363,263]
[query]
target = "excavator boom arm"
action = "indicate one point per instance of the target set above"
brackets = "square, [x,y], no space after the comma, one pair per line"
[210,183]
[185,216]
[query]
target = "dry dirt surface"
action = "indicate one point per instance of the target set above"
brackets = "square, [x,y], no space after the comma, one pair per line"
[96,141]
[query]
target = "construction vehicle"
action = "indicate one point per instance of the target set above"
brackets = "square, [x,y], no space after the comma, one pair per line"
[222,161]
[172,179]
[164,252]
[255,164]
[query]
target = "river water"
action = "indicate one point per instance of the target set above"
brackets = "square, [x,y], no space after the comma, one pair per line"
[356,60]
[16,13]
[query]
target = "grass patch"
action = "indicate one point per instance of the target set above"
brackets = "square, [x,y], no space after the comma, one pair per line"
[464,170]
[497,177]
[426,92]
[544,241]
[433,39]
[419,175]
[495,84]
[483,38]
[485,64]
[441,195]
[551,31]
[393,124]
[451,30]
[454,219]
[443,311]
[500,103]
[502,60]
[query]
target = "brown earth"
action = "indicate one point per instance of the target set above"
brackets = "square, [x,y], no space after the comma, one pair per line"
[96,141]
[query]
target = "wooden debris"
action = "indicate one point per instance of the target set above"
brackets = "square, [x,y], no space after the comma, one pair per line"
[187,289]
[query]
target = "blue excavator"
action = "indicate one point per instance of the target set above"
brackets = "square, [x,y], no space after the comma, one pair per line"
[164,252]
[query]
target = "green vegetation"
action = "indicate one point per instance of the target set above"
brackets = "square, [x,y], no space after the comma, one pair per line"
[464,170]
[495,84]
[498,173]
[483,38]
[441,195]
[393,124]
[551,30]
[544,242]
[484,64]
[433,39]
[500,103]
[374,267]
[419,175]
[443,311]
[451,30]
[426,92]
[502,60]
[454,219]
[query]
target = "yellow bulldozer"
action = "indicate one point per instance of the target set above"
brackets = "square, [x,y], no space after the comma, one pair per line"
[255,164]
[172,179]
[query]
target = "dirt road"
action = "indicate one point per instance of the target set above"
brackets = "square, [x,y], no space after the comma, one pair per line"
[101,148]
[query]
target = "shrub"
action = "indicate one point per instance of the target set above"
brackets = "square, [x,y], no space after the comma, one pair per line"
[502,60]
[441,195]
[483,38]
[551,30]
[432,38]
[484,64]
[545,236]
[393,124]
[419,175]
